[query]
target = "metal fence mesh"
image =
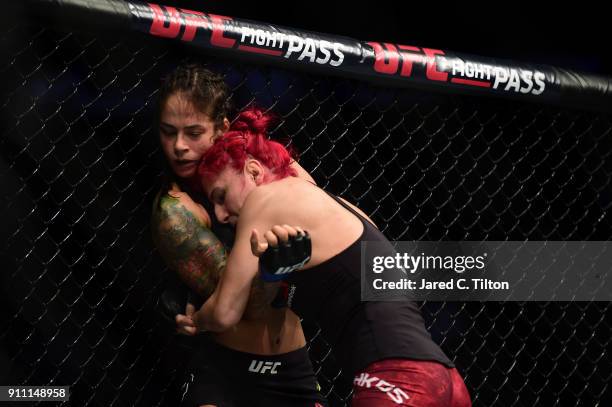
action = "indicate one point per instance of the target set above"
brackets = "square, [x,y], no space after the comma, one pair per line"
[80,165]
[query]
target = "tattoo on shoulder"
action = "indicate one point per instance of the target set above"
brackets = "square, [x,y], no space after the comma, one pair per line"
[187,245]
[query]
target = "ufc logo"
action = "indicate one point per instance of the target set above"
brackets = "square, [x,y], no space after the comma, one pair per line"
[289,269]
[259,366]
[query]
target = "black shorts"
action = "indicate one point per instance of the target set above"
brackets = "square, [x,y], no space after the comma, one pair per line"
[227,378]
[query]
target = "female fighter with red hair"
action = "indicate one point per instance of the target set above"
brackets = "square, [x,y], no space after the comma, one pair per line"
[384,345]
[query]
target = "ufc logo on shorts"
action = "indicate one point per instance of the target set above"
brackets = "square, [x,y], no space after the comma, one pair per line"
[395,393]
[260,366]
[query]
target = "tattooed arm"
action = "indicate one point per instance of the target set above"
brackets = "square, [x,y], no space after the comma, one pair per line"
[189,248]
[185,242]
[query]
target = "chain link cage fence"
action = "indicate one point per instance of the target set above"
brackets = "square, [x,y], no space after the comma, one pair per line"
[80,165]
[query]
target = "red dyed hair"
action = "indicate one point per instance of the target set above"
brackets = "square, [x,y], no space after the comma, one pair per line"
[247,137]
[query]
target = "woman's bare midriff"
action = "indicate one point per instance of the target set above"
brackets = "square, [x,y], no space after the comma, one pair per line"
[278,331]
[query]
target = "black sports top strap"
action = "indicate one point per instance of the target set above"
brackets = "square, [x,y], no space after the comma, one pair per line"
[350,209]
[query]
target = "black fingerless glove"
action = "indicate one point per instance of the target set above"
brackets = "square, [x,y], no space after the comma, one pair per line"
[276,263]
[173,300]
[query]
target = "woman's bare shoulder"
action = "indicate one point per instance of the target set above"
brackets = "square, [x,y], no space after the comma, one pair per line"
[285,190]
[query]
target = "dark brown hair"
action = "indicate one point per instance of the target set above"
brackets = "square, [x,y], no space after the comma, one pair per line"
[206,90]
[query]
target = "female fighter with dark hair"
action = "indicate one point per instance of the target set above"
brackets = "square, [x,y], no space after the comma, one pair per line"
[262,360]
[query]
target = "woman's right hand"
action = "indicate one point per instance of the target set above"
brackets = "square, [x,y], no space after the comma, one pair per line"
[285,249]
[278,233]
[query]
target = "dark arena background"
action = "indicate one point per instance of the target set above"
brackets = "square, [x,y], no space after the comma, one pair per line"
[427,159]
